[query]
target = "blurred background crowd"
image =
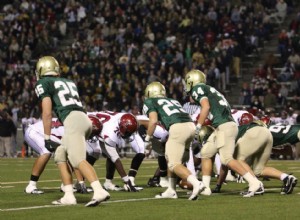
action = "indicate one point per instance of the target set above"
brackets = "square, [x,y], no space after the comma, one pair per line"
[113,49]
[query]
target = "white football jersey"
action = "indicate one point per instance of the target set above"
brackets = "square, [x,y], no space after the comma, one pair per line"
[110,132]
[28,121]
[34,136]
[160,132]
[111,137]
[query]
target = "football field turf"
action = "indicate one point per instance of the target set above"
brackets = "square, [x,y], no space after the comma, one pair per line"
[15,204]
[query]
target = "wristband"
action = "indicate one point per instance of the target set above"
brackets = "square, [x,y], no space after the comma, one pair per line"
[46,137]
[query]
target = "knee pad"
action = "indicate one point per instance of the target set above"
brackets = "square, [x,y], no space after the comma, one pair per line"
[60,155]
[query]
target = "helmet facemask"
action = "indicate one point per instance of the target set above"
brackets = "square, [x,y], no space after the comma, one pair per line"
[128,125]
[193,78]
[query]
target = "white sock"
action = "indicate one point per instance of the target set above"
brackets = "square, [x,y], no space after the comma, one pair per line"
[68,190]
[108,181]
[193,180]
[206,181]
[96,187]
[32,183]
[283,176]
[250,178]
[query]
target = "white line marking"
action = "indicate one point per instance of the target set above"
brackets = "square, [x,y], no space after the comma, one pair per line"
[54,206]
[58,180]
[3,187]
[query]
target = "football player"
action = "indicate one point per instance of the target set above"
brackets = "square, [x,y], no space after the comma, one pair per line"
[181,130]
[215,107]
[241,117]
[61,95]
[194,162]
[285,134]
[159,139]
[254,145]
[117,129]
[34,137]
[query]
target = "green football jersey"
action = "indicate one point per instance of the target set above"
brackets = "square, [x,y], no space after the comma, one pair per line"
[283,134]
[220,110]
[169,111]
[63,93]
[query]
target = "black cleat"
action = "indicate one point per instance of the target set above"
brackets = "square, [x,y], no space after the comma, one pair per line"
[153,182]
[288,184]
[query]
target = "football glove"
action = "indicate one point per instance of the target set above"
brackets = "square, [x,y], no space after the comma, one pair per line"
[198,128]
[129,187]
[148,144]
[51,145]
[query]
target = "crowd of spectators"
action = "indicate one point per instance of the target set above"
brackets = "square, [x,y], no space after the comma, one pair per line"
[276,82]
[113,49]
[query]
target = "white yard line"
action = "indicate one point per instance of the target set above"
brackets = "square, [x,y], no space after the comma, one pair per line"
[56,206]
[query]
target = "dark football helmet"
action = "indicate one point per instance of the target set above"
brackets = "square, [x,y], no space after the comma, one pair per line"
[245,119]
[127,125]
[96,128]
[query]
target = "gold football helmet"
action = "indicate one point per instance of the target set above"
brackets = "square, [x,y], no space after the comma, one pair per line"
[193,78]
[154,90]
[205,132]
[47,66]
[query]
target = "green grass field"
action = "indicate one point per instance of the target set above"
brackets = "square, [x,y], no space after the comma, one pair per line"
[15,204]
